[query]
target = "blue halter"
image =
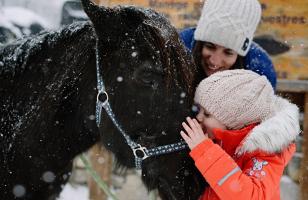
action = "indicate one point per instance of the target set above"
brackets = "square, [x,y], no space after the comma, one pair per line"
[140,152]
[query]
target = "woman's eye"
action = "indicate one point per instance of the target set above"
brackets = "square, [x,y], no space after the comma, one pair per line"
[209,45]
[229,52]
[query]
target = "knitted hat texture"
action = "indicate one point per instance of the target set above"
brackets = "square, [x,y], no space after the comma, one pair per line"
[237,97]
[229,23]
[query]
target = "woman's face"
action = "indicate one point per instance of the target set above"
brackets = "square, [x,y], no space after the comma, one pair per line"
[216,58]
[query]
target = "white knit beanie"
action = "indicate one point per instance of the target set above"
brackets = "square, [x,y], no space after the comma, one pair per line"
[229,23]
[237,97]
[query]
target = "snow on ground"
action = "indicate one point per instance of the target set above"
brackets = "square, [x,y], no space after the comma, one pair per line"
[134,190]
[129,187]
[289,190]
[24,17]
[74,192]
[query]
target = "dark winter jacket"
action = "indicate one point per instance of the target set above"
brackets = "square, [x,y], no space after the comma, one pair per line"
[256,59]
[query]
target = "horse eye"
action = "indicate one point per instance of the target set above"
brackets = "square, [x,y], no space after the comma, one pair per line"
[149,78]
[146,77]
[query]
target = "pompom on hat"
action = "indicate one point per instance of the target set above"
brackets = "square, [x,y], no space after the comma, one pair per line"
[237,97]
[229,23]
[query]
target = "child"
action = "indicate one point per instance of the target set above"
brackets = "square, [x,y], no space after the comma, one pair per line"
[244,136]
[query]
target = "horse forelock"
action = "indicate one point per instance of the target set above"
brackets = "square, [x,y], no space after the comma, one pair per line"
[177,64]
[158,32]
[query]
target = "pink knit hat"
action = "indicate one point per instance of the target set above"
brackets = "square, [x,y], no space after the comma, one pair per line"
[236,97]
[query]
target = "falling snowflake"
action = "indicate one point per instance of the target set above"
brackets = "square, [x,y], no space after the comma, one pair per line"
[119,78]
[19,191]
[48,177]
[183,95]
[92,117]
[195,108]
[134,54]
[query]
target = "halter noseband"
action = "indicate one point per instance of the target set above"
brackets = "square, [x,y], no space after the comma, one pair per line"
[140,152]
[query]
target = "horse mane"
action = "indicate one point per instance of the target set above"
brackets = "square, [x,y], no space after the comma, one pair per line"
[24,62]
[15,57]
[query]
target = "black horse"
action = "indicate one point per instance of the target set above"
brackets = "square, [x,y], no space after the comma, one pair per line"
[48,90]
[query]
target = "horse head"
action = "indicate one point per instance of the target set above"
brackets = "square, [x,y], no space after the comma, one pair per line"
[149,80]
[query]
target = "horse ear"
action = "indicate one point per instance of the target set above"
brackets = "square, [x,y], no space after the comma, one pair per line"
[111,24]
[106,22]
[112,17]
[94,12]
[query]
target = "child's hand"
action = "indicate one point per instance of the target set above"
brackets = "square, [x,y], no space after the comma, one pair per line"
[194,134]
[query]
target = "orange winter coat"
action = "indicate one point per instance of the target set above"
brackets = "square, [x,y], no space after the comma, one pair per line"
[242,175]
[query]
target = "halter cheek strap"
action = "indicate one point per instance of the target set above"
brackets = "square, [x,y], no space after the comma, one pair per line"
[140,152]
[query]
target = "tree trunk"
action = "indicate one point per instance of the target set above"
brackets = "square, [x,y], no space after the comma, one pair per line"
[101,161]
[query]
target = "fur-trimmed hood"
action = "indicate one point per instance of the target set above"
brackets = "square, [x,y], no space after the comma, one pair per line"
[275,133]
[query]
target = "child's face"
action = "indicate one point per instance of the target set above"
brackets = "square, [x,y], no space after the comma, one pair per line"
[208,122]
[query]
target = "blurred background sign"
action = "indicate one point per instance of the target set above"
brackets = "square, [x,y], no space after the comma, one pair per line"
[182,13]
[287,24]
[283,31]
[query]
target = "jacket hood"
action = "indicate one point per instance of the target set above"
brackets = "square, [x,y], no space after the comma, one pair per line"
[275,133]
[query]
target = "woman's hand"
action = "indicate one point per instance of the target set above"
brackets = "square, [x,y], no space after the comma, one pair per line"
[194,132]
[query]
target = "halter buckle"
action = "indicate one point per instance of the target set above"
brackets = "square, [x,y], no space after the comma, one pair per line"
[140,152]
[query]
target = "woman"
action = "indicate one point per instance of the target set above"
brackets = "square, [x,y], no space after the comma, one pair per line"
[223,39]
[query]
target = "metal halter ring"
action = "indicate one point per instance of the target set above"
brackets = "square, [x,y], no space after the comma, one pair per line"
[99,97]
[140,152]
